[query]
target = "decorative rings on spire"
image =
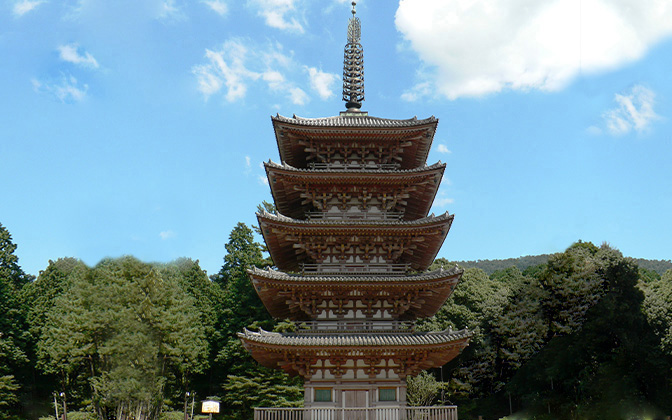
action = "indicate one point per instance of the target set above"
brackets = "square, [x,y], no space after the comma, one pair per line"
[353,64]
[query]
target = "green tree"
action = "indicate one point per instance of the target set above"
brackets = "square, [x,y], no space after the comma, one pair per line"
[658,309]
[208,296]
[421,390]
[129,331]
[14,339]
[604,363]
[476,302]
[247,384]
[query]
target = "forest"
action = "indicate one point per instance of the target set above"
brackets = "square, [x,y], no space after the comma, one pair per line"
[582,334]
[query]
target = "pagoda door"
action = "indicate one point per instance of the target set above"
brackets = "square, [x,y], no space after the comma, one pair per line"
[356,399]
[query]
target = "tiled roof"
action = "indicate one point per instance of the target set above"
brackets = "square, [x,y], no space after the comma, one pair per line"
[363,278]
[271,164]
[350,340]
[363,121]
[357,222]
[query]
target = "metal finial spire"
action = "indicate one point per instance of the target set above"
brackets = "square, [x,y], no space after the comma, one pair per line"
[353,64]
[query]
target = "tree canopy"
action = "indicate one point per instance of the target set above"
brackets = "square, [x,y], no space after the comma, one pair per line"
[585,333]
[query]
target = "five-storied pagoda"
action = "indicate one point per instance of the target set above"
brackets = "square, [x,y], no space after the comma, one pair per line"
[352,241]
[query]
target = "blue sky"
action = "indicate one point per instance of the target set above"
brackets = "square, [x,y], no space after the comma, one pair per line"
[138,127]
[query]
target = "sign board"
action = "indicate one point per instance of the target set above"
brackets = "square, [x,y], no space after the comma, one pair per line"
[210,407]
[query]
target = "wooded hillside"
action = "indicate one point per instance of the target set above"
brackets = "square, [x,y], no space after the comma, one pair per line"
[582,334]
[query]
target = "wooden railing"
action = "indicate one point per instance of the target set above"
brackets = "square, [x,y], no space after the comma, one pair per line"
[377,413]
[355,268]
[361,215]
[318,327]
[354,165]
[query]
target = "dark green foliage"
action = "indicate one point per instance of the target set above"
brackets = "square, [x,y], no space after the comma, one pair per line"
[658,309]
[14,337]
[609,368]
[248,385]
[127,331]
[475,304]
[572,339]
[584,334]
[261,387]
[659,266]
[522,263]
[532,262]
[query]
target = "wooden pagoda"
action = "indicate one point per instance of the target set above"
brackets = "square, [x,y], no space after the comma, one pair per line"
[352,241]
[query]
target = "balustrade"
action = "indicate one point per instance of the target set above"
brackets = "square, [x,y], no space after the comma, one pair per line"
[377,413]
[352,326]
[355,268]
[354,165]
[362,215]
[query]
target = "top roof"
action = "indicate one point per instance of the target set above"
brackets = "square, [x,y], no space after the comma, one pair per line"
[354,120]
[408,141]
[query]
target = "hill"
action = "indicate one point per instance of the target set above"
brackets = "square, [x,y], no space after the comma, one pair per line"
[490,266]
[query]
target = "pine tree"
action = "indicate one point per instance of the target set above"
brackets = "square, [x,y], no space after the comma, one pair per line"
[14,339]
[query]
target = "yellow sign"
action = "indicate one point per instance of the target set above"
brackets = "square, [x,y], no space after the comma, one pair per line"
[210,407]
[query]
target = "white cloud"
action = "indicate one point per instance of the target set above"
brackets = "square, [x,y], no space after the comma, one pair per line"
[69,53]
[594,130]
[442,148]
[237,66]
[322,82]
[276,12]
[24,6]
[275,79]
[219,72]
[67,90]
[442,202]
[419,90]
[218,6]
[262,180]
[471,48]
[248,161]
[169,11]
[298,96]
[633,111]
[167,234]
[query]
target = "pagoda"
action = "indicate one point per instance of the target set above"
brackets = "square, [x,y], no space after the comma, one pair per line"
[351,241]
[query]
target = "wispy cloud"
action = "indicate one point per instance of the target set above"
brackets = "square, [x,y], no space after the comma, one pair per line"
[218,6]
[169,11]
[322,82]
[248,165]
[226,67]
[298,96]
[277,14]
[66,90]
[633,111]
[442,148]
[442,202]
[70,54]
[547,43]
[238,65]
[262,180]
[24,6]
[167,234]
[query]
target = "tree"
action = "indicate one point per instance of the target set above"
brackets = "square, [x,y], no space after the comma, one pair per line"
[570,286]
[604,363]
[476,302]
[129,331]
[248,384]
[658,309]
[421,390]
[14,338]
[208,296]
